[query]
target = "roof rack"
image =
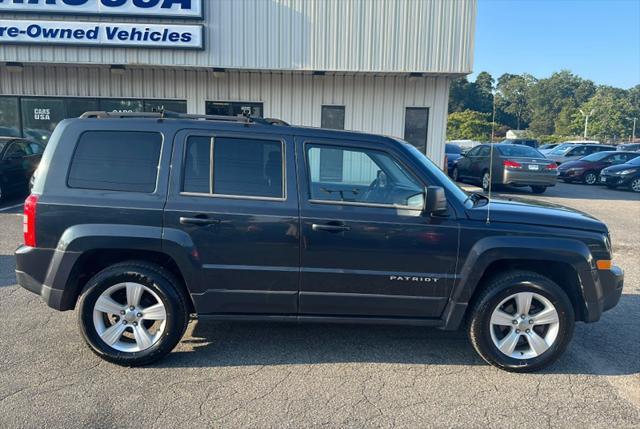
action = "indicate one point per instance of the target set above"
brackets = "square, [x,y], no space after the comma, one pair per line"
[173,115]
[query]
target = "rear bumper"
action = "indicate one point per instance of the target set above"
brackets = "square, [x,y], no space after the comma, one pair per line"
[526,178]
[45,272]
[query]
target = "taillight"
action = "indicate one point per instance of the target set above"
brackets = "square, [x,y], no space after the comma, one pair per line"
[552,166]
[29,220]
[511,164]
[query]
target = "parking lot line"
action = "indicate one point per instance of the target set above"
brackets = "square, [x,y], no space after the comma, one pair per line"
[6,209]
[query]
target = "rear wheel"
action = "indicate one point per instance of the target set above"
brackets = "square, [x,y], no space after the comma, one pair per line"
[590,178]
[521,322]
[538,189]
[132,313]
[635,184]
[454,174]
[486,181]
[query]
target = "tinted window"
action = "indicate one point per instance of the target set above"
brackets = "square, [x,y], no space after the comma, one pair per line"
[16,149]
[634,161]
[116,161]
[416,127]
[245,167]
[78,106]
[40,117]
[197,165]
[598,156]
[9,119]
[176,106]
[451,148]
[365,176]
[483,151]
[521,150]
[121,106]
[227,108]
[332,117]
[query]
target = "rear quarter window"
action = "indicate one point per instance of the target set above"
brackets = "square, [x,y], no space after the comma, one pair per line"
[116,161]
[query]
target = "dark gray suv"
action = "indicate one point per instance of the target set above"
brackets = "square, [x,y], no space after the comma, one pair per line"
[138,221]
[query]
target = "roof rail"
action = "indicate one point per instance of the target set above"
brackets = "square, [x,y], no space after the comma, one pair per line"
[173,115]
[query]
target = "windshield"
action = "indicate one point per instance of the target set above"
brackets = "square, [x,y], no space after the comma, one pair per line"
[634,161]
[594,157]
[444,180]
[524,151]
[451,148]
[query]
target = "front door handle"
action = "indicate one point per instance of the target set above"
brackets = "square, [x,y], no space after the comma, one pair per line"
[330,228]
[201,221]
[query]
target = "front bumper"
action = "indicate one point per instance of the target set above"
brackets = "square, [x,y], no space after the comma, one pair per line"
[527,178]
[606,293]
[616,180]
[570,174]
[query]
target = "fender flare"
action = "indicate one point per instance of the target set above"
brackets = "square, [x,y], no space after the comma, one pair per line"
[498,248]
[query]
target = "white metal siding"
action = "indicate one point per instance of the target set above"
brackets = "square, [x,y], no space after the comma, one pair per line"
[432,36]
[374,104]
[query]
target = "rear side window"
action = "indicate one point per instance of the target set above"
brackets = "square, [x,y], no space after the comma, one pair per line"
[241,167]
[116,161]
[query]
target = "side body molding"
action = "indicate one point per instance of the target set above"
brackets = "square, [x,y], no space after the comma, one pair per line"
[491,249]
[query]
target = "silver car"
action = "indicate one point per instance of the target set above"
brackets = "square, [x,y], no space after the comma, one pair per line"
[572,152]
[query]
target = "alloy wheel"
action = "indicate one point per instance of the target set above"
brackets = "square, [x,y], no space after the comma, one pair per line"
[590,178]
[635,184]
[129,317]
[524,325]
[485,181]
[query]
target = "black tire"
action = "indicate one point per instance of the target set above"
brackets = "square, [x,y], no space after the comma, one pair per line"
[634,186]
[455,174]
[538,189]
[590,178]
[498,289]
[162,283]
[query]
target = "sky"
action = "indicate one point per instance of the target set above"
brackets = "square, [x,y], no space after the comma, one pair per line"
[594,39]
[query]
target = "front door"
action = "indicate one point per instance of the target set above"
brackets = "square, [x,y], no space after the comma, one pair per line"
[233,199]
[367,250]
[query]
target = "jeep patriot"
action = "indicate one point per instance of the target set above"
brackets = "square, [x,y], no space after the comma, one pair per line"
[141,221]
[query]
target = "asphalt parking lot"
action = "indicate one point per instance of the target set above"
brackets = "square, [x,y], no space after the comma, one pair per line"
[279,375]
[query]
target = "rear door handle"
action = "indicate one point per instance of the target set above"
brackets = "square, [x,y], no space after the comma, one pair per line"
[330,228]
[198,221]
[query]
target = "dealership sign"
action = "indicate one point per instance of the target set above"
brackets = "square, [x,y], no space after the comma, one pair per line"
[146,8]
[102,34]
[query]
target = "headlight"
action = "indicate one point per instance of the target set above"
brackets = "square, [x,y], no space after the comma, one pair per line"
[631,171]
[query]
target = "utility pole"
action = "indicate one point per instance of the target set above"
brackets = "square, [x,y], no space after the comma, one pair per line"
[493,118]
[633,139]
[586,121]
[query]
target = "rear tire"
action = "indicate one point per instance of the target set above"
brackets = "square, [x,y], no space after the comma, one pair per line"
[538,189]
[635,185]
[590,178]
[455,174]
[486,181]
[497,308]
[132,313]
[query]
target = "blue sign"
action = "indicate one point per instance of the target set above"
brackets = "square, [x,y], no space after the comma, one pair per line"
[147,8]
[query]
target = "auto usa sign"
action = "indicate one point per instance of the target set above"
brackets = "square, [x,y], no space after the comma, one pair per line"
[147,8]
[122,35]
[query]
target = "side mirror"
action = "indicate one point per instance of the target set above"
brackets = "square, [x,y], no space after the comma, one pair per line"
[435,201]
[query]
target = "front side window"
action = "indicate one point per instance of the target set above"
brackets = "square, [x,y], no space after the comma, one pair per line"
[364,176]
[242,167]
[116,161]
[16,149]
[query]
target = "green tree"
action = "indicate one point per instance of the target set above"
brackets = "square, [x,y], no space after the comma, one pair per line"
[513,99]
[469,124]
[612,109]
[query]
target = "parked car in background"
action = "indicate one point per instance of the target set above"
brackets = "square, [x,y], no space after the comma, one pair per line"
[527,142]
[557,148]
[19,158]
[546,148]
[622,175]
[587,169]
[513,165]
[633,147]
[465,145]
[576,151]
[453,153]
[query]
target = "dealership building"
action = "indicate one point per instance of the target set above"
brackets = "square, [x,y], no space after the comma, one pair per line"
[379,66]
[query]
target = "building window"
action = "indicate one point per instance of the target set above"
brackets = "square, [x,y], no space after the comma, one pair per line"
[116,161]
[9,117]
[40,117]
[233,108]
[332,117]
[121,106]
[416,127]
[177,106]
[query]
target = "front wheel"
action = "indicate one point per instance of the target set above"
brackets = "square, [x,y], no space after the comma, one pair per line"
[590,178]
[521,322]
[635,185]
[538,189]
[486,181]
[132,313]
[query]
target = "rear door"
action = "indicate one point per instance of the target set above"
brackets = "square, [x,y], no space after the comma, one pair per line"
[233,200]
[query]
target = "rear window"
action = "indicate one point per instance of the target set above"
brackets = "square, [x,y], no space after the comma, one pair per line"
[116,161]
[451,148]
[241,167]
[519,150]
